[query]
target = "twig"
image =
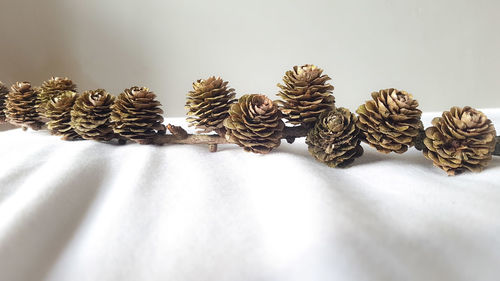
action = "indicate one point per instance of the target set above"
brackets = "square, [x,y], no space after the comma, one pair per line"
[497,147]
[189,139]
[179,136]
[419,140]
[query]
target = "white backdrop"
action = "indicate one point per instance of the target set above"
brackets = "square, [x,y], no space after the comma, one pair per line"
[444,52]
[87,211]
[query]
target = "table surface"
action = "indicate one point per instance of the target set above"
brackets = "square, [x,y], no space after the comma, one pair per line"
[93,211]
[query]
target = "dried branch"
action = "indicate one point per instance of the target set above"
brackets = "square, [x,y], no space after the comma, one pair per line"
[179,136]
[497,147]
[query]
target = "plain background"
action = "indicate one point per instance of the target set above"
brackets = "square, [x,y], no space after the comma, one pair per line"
[443,52]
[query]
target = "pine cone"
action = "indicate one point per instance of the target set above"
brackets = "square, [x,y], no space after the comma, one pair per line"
[305,95]
[254,123]
[391,121]
[462,139]
[209,103]
[335,139]
[3,98]
[90,115]
[58,111]
[136,115]
[20,106]
[50,89]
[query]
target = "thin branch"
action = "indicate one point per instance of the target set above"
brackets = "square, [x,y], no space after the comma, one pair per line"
[189,139]
[179,136]
[497,147]
[34,126]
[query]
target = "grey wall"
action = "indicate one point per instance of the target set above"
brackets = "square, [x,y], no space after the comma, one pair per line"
[445,52]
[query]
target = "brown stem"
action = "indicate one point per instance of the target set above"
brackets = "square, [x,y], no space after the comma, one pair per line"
[497,147]
[290,133]
[34,126]
[190,139]
[419,140]
[212,140]
[212,147]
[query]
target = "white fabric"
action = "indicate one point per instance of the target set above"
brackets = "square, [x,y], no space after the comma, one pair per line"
[93,211]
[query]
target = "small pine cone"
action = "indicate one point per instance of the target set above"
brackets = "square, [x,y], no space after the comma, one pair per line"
[20,106]
[305,95]
[462,139]
[209,103]
[50,89]
[335,139]
[254,123]
[391,121]
[136,115]
[90,115]
[58,111]
[3,98]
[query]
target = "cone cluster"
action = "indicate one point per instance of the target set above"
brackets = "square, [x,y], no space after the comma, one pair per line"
[335,139]
[390,122]
[208,104]
[58,111]
[51,89]
[461,139]
[20,106]
[306,94]
[136,115]
[90,115]
[254,123]
[3,98]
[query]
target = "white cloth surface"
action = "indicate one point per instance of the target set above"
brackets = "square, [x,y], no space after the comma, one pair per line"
[92,211]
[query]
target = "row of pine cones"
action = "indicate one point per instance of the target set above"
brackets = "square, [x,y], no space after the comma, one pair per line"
[462,139]
[94,115]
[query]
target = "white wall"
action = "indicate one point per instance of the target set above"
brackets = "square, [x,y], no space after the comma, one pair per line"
[445,52]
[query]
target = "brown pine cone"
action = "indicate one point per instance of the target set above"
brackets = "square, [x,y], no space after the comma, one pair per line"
[335,139]
[3,98]
[20,106]
[136,115]
[254,123]
[305,95]
[391,121]
[91,115]
[462,139]
[209,103]
[58,111]
[50,89]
